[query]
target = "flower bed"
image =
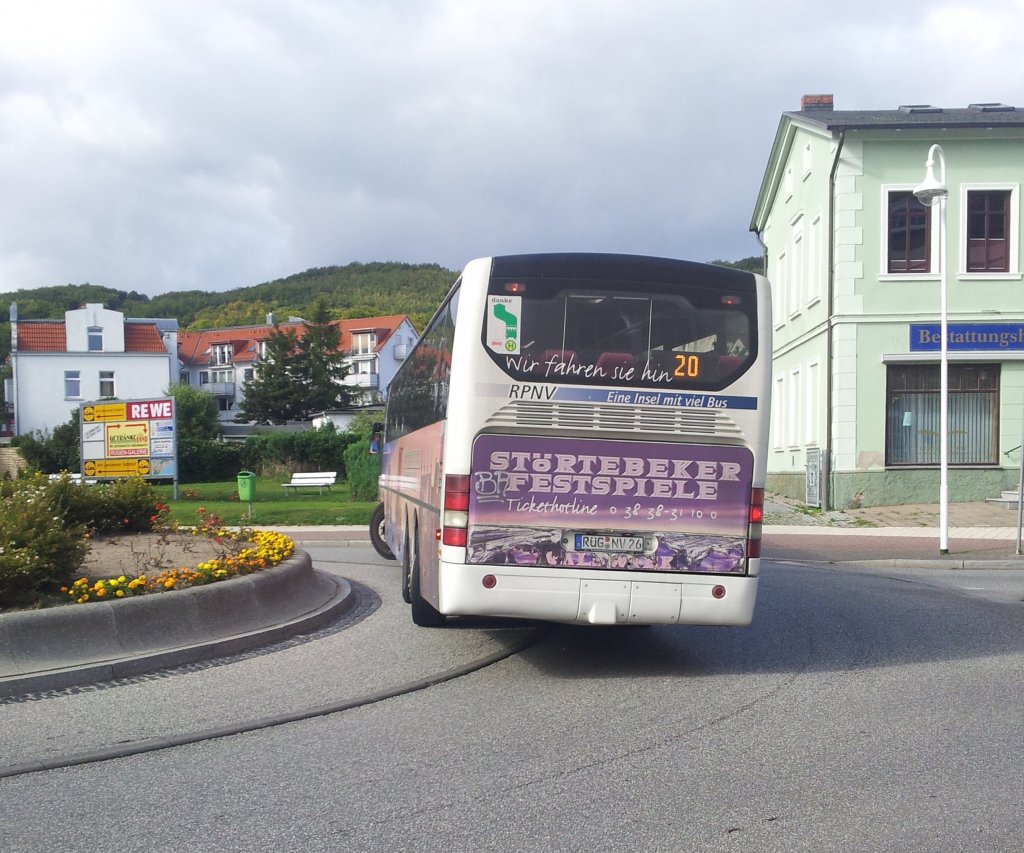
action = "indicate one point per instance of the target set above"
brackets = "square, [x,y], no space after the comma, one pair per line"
[244,551]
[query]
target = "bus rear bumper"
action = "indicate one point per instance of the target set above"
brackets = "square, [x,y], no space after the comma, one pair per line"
[608,598]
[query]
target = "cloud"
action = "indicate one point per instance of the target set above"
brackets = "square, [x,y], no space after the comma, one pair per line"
[181,145]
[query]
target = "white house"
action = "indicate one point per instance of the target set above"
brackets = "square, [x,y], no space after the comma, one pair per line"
[94,353]
[221,361]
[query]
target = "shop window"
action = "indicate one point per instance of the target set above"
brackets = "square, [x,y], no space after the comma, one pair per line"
[912,414]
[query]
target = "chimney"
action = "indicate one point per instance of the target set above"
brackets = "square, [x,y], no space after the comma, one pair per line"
[816,102]
[270,319]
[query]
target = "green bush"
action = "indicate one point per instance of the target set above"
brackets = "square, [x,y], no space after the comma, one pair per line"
[320,449]
[120,505]
[39,551]
[206,461]
[128,505]
[363,470]
[51,453]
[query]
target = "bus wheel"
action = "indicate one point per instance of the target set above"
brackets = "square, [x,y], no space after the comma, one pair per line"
[377,533]
[406,576]
[423,612]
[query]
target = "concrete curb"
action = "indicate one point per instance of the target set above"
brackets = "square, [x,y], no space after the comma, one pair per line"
[903,563]
[76,644]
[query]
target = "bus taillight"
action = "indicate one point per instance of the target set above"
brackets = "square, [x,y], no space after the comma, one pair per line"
[755,520]
[456,510]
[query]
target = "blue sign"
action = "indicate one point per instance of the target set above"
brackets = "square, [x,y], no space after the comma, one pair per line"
[967,337]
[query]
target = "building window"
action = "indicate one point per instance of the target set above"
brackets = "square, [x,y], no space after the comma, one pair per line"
[95,339]
[363,343]
[72,384]
[912,414]
[183,378]
[107,384]
[909,234]
[204,377]
[988,221]
[221,354]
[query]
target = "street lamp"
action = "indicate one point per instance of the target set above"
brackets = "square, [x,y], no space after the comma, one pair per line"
[930,192]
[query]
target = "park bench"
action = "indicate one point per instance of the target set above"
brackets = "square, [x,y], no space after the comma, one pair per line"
[74,478]
[312,480]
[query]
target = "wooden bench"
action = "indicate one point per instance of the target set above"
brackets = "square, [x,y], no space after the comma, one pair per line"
[312,480]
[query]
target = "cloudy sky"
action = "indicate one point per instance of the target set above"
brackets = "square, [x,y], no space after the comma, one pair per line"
[161,145]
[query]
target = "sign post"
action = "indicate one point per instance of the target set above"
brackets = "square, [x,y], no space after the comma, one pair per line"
[133,438]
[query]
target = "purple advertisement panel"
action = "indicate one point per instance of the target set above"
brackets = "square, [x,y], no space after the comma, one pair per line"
[606,504]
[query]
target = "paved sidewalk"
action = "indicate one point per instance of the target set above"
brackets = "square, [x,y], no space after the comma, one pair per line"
[979,534]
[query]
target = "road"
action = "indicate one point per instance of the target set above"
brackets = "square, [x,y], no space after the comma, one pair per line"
[868,710]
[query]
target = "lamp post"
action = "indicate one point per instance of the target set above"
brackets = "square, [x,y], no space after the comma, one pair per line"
[933,191]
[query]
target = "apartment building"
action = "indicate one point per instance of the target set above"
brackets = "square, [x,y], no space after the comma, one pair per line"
[858,268]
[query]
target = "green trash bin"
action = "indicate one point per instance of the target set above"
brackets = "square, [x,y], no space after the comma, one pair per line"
[246,485]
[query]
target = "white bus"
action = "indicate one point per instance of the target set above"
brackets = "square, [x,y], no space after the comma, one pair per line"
[582,438]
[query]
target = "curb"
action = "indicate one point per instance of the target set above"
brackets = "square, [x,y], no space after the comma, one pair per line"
[66,646]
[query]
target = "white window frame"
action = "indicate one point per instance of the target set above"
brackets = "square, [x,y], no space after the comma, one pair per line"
[814,265]
[778,396]
[797,266]
[363,343]
[108,379]
[793,399]
[934,255]
[1013,228]
[780,280]
[813,390]
[94,335]
[72,385]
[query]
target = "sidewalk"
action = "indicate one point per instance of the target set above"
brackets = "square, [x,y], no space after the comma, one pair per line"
[980,534]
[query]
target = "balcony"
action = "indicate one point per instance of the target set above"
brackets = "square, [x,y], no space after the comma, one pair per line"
[401,352]
[219,389]
[363,380]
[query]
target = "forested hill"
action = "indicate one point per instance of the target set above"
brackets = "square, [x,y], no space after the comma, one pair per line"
[355,290]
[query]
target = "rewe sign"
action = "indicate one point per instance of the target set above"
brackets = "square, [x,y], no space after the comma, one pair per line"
[131,438]
[145,410]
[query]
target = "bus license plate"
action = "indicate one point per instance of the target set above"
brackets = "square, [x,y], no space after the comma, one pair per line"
[610,542]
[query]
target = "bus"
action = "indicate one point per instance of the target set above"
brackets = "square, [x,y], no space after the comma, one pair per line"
[582,438]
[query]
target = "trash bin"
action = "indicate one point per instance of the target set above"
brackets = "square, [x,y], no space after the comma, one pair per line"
[246,485]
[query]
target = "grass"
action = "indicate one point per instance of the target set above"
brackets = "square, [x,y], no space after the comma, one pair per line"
[271,504]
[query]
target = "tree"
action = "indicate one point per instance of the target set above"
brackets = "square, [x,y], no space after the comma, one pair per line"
[274,395]
[196,413]
[52,452]
[755,263]
[320,365]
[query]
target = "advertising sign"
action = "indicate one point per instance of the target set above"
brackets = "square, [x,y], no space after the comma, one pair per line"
[135,438]
[605,504]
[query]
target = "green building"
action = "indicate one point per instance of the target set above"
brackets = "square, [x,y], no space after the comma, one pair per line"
[857,268]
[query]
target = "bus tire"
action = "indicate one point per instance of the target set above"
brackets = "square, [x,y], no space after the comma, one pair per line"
[423,612]
[377,533]
[406,575]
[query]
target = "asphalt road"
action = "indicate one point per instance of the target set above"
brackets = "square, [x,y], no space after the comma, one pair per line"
[864,709]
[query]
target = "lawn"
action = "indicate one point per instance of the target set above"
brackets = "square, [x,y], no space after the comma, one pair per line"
[272,504]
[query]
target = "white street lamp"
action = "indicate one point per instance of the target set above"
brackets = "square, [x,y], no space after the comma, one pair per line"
[933,191]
